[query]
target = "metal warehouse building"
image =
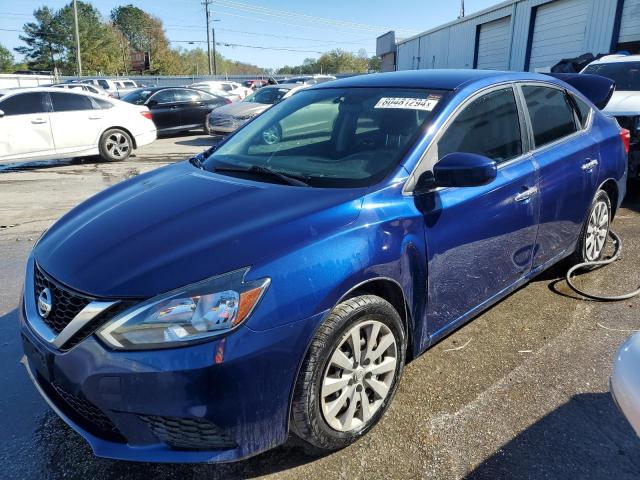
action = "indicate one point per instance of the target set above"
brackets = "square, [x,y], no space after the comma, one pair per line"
[519,35]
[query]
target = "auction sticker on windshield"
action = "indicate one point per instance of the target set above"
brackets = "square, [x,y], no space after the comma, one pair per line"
[427,104]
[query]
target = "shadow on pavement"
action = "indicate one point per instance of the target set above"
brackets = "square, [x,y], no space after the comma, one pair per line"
[199,141]
[586,437]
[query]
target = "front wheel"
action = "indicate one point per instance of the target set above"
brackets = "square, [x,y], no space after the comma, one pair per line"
[350,374]
[115,145]
[593,238]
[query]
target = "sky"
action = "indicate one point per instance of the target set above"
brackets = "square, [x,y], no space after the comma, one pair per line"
[286,31]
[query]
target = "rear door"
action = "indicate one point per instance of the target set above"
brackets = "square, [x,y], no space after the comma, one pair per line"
[25,128]
[567,157]
[76,126]
[165,109]
[480,240]
[193,107]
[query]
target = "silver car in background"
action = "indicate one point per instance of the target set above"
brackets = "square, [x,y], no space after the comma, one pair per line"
[625,380]
[229,118]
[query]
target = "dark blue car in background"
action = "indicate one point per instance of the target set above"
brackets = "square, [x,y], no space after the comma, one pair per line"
[205,310]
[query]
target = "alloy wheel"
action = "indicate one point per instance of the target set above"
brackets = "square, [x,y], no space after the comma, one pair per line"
[118,145]
[358,376]
[597,230]
[271,136]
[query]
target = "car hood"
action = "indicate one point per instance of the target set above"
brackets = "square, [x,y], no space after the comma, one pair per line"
[179,225]
[239,109]
[624,103]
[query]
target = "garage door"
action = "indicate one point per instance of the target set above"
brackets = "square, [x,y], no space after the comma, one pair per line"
[493,45]
[558,32]
[630,22]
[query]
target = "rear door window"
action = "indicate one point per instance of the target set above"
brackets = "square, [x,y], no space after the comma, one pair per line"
[550,113]
[24,104]
[70,102]
[488,126]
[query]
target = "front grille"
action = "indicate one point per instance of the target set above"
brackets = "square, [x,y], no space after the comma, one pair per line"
[81,411]
[226,121]
[188,433]
[66,304]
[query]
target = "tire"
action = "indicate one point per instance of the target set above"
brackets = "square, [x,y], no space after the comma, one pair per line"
[588,248]
[115,145]
[311,414]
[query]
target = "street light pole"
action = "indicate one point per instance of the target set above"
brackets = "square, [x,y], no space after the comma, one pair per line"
[75,20]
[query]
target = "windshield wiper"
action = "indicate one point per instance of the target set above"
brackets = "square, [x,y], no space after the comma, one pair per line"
[287,178]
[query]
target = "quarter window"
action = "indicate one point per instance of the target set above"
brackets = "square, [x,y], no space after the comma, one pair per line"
[550,113]
[23,104]
[70,102]
[488,126]
[582,110]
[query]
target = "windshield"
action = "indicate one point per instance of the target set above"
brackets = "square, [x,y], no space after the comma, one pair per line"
[268,96]
[625,74]
[338,137]
[138,97]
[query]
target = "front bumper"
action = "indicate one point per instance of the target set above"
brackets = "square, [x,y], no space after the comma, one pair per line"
[219,401]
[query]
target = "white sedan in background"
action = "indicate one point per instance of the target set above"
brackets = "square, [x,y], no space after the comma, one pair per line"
[224,88]
[50,123]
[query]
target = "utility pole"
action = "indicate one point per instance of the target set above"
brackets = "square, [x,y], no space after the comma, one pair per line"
[213,37]
[461,9]
[75,20]
[206,4]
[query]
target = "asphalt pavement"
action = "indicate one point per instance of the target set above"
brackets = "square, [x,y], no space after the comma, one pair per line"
[519,392]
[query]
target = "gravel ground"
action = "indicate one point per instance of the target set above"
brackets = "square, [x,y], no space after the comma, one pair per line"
[519,392]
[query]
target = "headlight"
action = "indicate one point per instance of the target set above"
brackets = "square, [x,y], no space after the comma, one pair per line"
[244,118]
[193,313]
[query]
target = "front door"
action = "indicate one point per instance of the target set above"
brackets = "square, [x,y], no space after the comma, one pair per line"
[568,158]
[480,239]
[25,131]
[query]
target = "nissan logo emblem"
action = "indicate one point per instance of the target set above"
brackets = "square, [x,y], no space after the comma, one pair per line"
[45,303]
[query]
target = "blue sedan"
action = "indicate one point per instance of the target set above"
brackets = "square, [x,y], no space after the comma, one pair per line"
[279,283]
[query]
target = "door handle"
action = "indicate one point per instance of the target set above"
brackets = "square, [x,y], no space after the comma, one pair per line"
[95,117]
[37,121]
[589,165]
[526,195]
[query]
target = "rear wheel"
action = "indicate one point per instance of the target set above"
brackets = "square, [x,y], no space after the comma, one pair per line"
[350,374]
[593,239]
[115,145]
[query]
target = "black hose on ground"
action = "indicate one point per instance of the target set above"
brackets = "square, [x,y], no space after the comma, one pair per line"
[602,298]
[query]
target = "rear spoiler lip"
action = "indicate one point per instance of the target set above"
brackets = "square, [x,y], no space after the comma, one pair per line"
[596,88]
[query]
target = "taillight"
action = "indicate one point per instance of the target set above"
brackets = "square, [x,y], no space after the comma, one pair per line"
[625,136]
[146,114]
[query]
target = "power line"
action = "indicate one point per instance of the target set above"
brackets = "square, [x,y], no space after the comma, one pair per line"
[260,47]
[245,7]
[363,41]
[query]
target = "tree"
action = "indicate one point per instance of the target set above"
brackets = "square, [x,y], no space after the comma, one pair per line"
[43,41]
[98,42]
[145,33]
[375,64]
[6,60]
[334,61]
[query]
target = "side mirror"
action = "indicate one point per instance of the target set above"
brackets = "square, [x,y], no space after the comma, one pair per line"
[459,170]
[152,103]
[1,113]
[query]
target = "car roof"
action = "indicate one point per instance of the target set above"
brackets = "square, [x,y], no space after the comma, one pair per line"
[432,79]
[616,58]
[71,91]
[286,86]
